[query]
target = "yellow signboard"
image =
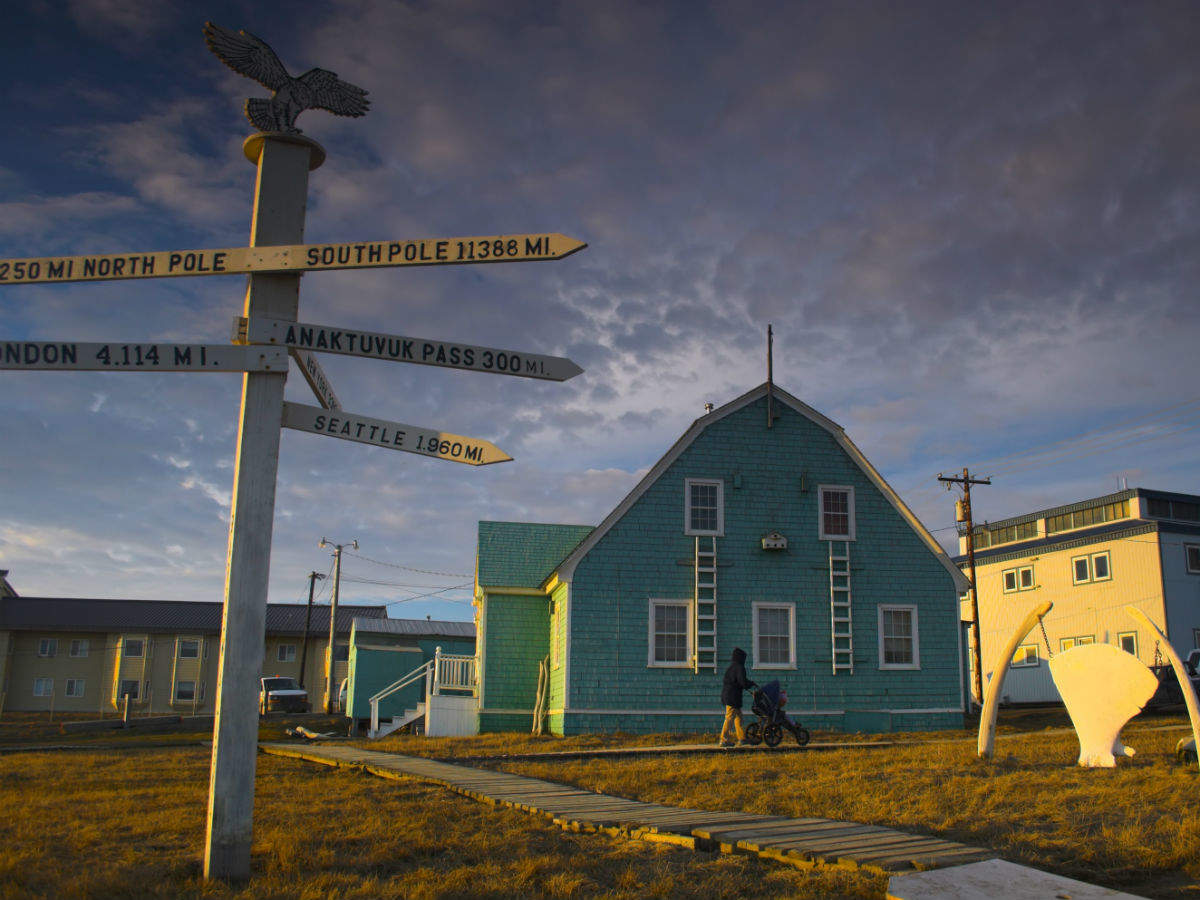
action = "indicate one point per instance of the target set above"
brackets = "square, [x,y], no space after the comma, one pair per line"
[392,435]
[290,259]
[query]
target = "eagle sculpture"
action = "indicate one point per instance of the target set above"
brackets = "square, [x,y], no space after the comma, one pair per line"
[315,89]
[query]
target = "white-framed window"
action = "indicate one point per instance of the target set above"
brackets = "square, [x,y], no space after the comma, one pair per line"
[189,648]
[1019,578]
[185,691]
[287,653]
[1065,644]
[670,634]
[43,687]
[835,508]
[74,687]
[80,648]
[1092,567]
[48,647]
[129,686]
[133,648]
[1191,554]
[774,635]
[704,506]
[1026,656]
[898,644]
[1127,641]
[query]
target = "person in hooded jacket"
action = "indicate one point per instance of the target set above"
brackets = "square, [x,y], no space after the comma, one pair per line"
[735,682]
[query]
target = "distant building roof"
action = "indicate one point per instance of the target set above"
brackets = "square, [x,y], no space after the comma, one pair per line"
[86,614]
[415,627]
[6,589]
[523,554]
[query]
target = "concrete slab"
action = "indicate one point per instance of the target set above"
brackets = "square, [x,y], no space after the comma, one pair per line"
[994,878]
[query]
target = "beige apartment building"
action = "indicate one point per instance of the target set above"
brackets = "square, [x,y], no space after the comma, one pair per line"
[1092,558]
[84,655]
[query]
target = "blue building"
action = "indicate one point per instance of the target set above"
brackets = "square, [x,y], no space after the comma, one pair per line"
[764,528]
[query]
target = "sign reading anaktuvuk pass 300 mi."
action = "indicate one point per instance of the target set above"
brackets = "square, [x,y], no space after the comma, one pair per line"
[290,258]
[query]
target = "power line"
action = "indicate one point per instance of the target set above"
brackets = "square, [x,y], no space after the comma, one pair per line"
[409,568]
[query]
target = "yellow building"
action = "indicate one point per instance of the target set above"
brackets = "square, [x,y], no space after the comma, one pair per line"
[85,655]
[1092,558]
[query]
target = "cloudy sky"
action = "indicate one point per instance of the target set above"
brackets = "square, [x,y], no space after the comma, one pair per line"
[974,227]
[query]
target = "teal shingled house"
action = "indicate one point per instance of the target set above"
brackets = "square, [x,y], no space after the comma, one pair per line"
[781,540]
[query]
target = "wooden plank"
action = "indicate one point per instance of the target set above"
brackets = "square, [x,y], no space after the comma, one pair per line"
[859,838]
[727,833]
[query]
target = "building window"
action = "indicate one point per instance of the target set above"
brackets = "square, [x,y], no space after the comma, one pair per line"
[341,652]
[898,647]
[837,513]
[128,688]
[774,636]
[1192,554]
[48,647]
[189,649]
[75,687]
[1065,644]
[1018,579]
[1127,641]
[185,691]
[670,634]
[1092,515]
[1094,567]
[43,687]
[703,507]
[1173,509]
[1026,655]
[287,653]
[134,648]
[80,648]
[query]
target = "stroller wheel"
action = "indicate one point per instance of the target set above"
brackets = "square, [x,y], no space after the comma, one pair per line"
[754,733]
[801,735]
[773,734]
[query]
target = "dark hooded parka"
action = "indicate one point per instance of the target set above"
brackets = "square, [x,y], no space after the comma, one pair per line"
[736,680]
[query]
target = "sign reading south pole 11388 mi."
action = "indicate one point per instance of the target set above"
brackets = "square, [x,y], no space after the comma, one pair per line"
[293,258]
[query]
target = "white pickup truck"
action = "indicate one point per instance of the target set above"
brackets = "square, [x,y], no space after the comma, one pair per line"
[279,693]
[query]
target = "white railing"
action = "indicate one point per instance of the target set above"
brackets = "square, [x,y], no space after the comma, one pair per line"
[443,673]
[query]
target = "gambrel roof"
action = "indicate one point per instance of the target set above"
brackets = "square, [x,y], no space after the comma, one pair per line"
[566,569]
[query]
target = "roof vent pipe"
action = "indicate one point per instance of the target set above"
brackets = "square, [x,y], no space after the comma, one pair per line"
[708,407]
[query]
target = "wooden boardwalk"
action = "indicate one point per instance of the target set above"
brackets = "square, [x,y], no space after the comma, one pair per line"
[804,842]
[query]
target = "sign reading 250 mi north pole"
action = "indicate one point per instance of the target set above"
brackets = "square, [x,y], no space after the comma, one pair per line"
[291,259]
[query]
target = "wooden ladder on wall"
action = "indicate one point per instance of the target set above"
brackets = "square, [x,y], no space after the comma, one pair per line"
[840,620]
[704,605]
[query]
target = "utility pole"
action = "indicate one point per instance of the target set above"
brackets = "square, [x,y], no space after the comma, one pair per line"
[333,604]
[963,514]
[313,578]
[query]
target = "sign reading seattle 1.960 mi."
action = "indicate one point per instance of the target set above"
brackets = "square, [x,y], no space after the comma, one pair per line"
[289,258]
[68,356]
[399,348]
[392,435]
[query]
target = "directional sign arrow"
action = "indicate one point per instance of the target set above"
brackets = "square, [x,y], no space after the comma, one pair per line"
[290,258]
[315,376]
[399,348]
[68,356]
[392,435]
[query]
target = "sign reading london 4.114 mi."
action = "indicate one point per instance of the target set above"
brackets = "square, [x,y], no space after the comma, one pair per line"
[76,356]
[290,258]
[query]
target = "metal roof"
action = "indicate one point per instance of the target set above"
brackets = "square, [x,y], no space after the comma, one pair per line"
[415,627]
[177,616]
[523,554]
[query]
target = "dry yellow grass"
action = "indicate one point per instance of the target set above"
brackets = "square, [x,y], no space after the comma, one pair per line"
[1136,827]
[130,824]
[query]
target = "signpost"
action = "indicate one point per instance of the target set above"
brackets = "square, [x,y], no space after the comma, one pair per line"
[75,356]
[399,348]
[275,260]
[289,258]
[392,435]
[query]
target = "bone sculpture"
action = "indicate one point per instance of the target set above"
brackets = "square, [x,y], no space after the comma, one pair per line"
[1185,684]
[1103,687]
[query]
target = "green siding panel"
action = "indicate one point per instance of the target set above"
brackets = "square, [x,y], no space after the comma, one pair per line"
[517,630]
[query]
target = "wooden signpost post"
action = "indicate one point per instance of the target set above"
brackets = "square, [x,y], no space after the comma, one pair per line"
[275,260]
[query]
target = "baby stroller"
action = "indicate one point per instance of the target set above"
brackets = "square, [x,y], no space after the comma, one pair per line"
[769,701]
